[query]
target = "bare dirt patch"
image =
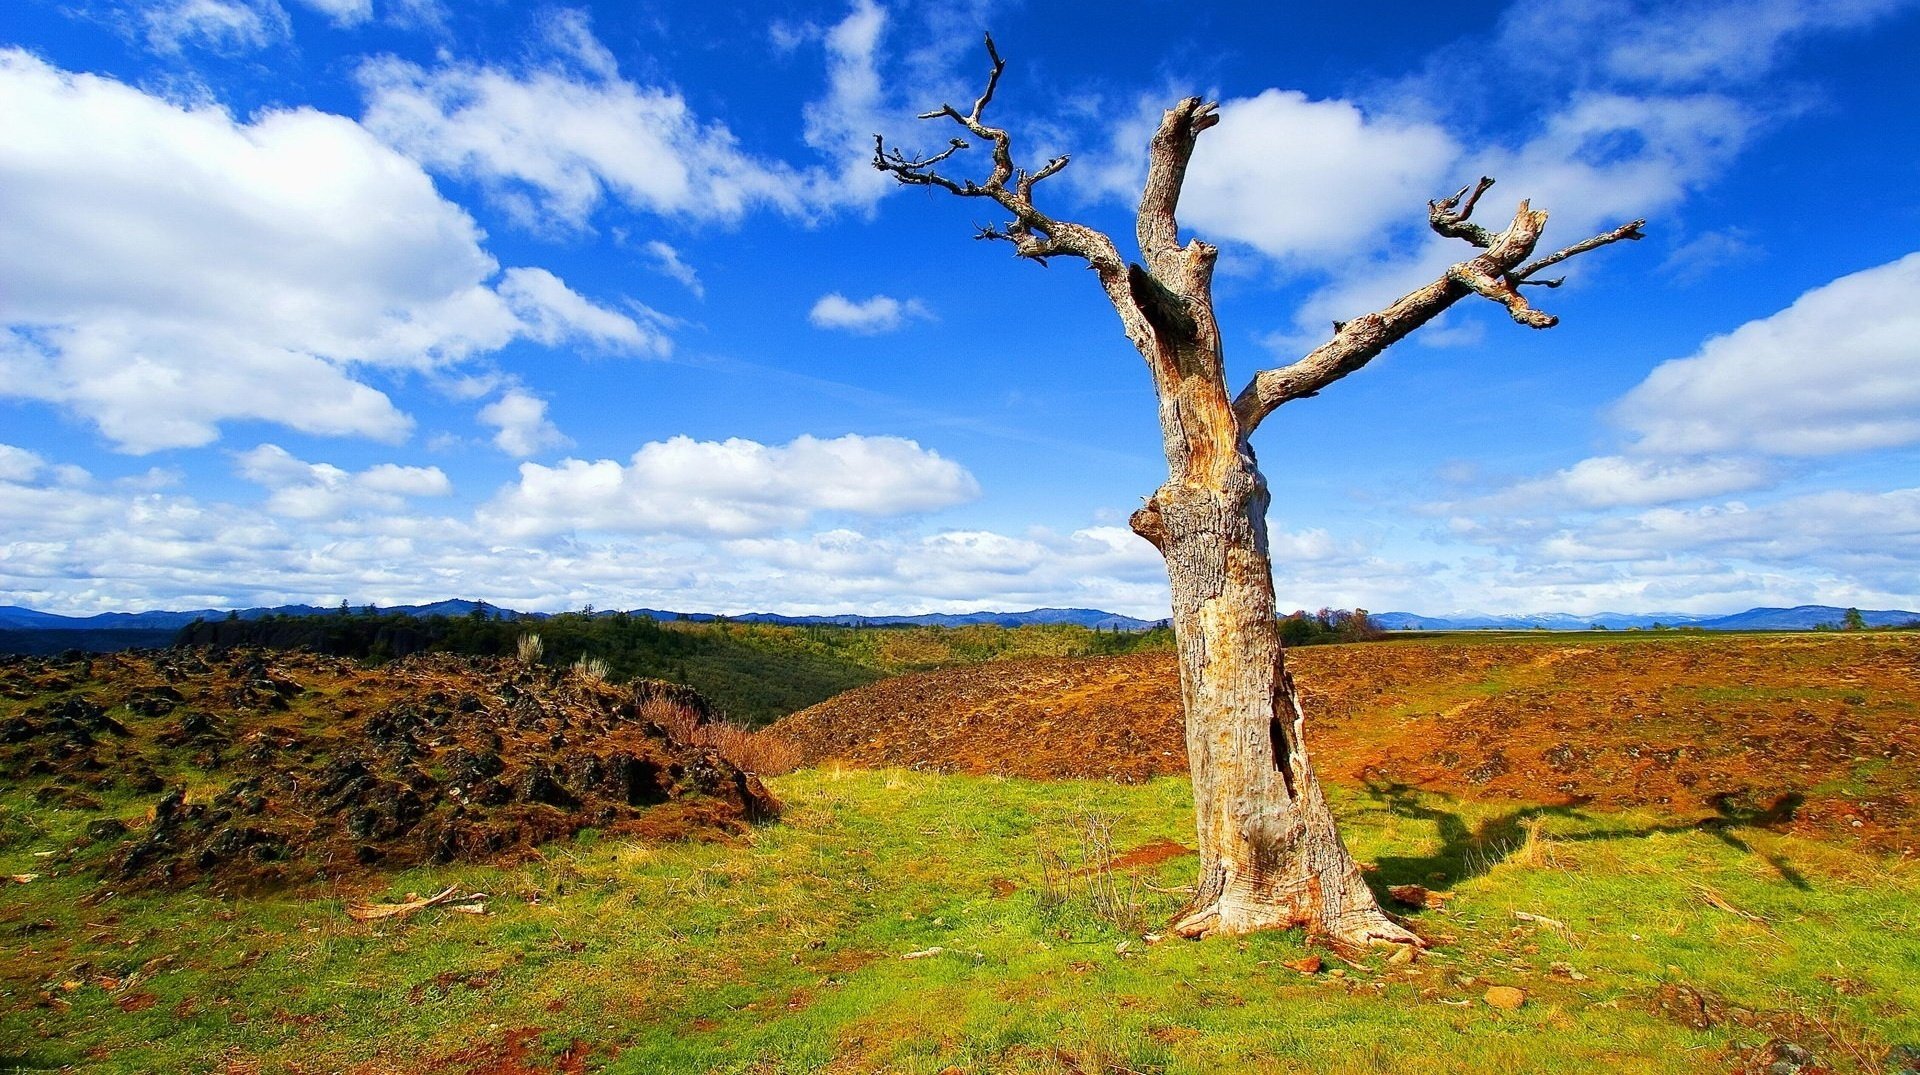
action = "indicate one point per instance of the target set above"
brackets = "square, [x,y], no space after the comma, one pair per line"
[1808,732]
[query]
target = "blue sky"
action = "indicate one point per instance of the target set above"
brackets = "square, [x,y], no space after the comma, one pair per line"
[398,300]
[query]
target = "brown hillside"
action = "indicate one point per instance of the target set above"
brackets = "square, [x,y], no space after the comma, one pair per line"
[1817,730]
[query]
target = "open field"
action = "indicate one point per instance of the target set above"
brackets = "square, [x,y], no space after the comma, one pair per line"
[914,921]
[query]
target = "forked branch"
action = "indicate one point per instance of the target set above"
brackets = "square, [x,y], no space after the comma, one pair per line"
[1032,233]
[1496,274]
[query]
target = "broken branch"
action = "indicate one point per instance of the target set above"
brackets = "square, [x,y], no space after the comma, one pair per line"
[369,912]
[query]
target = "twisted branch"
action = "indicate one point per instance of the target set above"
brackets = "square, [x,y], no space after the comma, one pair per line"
[1033,233]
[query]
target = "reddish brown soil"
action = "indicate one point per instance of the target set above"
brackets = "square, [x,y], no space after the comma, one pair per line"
[253,768]
[1813,731]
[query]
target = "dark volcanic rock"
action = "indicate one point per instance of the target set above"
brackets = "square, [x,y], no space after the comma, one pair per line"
[330,767]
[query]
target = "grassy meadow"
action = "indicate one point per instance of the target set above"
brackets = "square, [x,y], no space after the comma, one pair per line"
[898,921]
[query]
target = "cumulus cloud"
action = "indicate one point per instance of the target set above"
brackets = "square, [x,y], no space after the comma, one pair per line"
[303,490]
[521,426]
[170,268]
[731,488]
[18,464]
[554,140]
[553,143]
[86,546]
[1833,526]
[1834,372]
[1599,161]
[1292,176]
[866,317]
[553,313]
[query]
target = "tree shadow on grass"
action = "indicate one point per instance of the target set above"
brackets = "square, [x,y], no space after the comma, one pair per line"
[1468,850]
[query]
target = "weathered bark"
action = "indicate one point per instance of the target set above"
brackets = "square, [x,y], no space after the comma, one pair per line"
[1270,853]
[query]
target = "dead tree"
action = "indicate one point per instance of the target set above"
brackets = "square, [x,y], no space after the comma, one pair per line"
[1270,855]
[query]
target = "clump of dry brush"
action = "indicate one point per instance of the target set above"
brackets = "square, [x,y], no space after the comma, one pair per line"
[758,751]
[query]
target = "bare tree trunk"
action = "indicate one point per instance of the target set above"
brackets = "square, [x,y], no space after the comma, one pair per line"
[1270,856]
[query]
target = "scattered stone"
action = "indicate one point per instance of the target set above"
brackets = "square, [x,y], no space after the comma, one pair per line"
[1781,1057]
[1419,896]
[106,828]
[1507,998]
[1305,965]
[1686,1005]
[1405,957]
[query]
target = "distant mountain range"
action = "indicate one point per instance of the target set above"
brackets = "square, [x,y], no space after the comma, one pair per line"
[1802,618]
[15,617]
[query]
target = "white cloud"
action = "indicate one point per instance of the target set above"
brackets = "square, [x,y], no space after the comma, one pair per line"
[1675,44]
[1834,372]
[1611,481]
[552,144]
[1610,157]
[842,124]
[171,268]
[867,317]
[343,12]
[18,464]
[1291,176]
[83,547]
[667,260]
[303,490]
[1599,161]
[224,26]
[553,313]
[1828,525]
[554,141]
[520,420]
[734,487]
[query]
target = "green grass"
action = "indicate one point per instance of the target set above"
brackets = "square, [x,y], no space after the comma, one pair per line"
[782,952]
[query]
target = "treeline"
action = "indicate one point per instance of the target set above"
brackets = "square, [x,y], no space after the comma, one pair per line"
[752,673]
[43,642]
[1329,625]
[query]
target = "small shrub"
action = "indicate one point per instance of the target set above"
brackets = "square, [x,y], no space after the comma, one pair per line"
[1107,894]
[760,752]
[590,669]
[529,648]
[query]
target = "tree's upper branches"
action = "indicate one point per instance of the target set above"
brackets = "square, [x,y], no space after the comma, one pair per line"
[1497,273]
[1167,305]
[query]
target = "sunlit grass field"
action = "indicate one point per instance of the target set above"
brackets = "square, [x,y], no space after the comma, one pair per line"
[788,950]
